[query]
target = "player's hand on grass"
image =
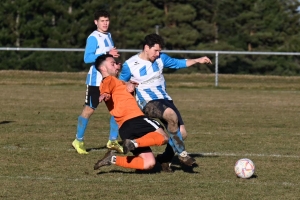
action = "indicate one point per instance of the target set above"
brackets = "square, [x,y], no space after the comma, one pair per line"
[104,97]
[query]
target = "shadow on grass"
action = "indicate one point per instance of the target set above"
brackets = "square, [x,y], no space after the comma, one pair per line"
[101,148]
[176,166]
[6,122]
[96,148]
[251,177]
[199,155]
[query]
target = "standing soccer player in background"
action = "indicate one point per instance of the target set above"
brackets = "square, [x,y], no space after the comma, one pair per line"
[146,69]
[98,43]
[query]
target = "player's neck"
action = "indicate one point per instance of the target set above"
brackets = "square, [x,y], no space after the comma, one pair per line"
[101,31]
[104,75]
[143,56]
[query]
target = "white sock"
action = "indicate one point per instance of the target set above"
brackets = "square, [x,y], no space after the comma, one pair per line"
[135,143]
[183,154]
[113,160]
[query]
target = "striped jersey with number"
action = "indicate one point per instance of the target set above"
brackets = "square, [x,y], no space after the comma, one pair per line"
[149,75]
[96,44]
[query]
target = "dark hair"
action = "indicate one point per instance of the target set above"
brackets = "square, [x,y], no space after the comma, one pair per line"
[153,39]
[101,13]
[100,60]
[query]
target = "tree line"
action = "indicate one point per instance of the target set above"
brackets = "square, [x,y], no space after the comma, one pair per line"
[229,25]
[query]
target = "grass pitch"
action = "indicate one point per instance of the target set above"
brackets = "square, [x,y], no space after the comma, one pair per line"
[246,116]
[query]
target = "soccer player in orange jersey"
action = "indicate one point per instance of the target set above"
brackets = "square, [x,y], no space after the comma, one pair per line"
[136,130]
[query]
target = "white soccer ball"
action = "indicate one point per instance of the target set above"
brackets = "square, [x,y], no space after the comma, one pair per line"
[244,168]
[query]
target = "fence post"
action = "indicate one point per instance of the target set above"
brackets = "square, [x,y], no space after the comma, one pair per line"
[216,69]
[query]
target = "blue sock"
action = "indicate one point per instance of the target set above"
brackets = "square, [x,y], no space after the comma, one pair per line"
[176,142]
[171,143]
[81,126]
[114,129]
[179,134]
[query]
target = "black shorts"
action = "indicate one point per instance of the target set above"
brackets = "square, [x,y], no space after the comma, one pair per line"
[156,108]
[92,95]
[137,127]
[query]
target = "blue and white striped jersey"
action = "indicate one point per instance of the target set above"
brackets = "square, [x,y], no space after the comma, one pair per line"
[96,44]
[152,84]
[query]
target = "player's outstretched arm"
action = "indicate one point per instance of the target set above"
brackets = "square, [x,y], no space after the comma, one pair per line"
[202,60]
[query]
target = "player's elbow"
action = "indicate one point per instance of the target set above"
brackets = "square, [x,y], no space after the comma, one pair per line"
[86,60]
[89,58]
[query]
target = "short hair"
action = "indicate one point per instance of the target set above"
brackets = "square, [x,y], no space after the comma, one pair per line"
[101,13]
[100,60]
[153,39]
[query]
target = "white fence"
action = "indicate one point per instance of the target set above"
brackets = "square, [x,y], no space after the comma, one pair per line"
[216,53]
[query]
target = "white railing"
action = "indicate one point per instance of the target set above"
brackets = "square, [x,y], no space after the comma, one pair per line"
[216,53]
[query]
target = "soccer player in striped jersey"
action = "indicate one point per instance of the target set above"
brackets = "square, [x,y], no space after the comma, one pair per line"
[136,130]
[146,69]
[99,42]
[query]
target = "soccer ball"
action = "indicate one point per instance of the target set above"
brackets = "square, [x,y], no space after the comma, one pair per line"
[244,168]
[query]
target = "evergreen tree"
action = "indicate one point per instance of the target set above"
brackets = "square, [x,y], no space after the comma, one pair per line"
[241,25]
[133,21]
[256,26]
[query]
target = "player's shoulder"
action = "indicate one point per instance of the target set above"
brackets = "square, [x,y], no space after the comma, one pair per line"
[98,34]
[132,60]
[163,56]
[94,33]
[108,78]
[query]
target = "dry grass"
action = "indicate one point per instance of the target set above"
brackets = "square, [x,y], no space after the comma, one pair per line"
[247,116]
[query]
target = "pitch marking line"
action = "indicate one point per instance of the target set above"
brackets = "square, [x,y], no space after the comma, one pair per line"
[16,148]
[47,178]
[248,155]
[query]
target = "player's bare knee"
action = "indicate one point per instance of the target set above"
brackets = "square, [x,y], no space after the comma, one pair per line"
[149,164]
[171,117]
[183,132]
[184,135]
[172,128]
[87,112]
[149,160]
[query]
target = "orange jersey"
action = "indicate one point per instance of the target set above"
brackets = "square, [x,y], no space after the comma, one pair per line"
[122,105]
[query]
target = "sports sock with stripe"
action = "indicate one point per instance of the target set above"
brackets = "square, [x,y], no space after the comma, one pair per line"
[176,141]
[150,139]
[81,126]
[114,129]
[132,162]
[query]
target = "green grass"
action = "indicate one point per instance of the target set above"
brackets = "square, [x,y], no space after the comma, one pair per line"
[246,116]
